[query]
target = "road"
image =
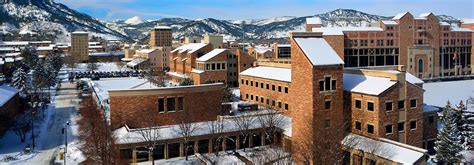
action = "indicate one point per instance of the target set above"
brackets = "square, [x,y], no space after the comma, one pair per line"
[66,103]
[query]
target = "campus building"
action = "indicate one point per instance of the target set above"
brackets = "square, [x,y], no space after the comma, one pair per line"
[80,45]
[428,47]
[161,36]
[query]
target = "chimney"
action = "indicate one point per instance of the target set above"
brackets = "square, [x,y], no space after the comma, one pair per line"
[311,23]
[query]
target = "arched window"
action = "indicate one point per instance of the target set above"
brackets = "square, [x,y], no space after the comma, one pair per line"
[420,66]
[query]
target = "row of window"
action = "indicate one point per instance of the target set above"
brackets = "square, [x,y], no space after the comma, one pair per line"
[459,42]
[328,84]
[388,105]
[351,43]
[263,85]
[271,102]
[388,128]
[170,104]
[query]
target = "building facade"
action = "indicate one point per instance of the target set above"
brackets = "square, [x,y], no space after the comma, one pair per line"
[80,45]
[161,36]
[428,47]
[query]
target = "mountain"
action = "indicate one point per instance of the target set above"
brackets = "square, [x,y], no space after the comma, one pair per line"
[45,17]
[134,20]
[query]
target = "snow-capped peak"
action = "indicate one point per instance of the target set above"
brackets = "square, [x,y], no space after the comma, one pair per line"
[135,20]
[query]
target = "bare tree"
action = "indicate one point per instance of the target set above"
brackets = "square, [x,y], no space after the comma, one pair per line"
[150,134]
[216,130]
[120,65]
[98,141]
[244,123]
[71,61]
[92,66]
[186,129]
[21,126]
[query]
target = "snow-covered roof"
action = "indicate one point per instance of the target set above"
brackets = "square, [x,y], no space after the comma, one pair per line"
[136,62]
[130,136]
[145,51]
[388,149]
[7,49]
[318,51]
[456,29]
[387,22]
[11,54]
[399,16]
[191,47]
[44,48]
[101,87]
[175,74]
[444,24]
[273,73]
[467,20]
[424,15]
[96,47]
[79,32]
[340,30]
[162,27]
[9,60]
[366,84]
[283,45]
[313,20]
[261,49]
[94,43]
[328,31]
[14,43]
[107,54]
[6,93]
[211,54]
[197,71]
[413,79]
[40,42]
[430,108]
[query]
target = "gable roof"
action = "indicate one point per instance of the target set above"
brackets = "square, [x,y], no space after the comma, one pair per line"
[273,73]
[6,93]
[424,15]
[399,16]
[318,51]
[366,84]
[211,54]
[191,47]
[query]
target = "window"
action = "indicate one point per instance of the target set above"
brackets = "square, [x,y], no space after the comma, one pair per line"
[413,103]
[268,86]
[246,82]
[279,104]
[247,96]
[327,104]
[401,127]
[256,98]
[242,82]
[370,128]
[273,102]
[327,123]
[268,101]
[170,104]
[327,86]
[261,99]
[333,85]
[321,85]
[401,104]
[251,97]
[358,104]
[370,106]
[388,106]
[412,125]
[358,126]
[273,87]
[279,88]
[389,129]
[251,83]
[161,105]
[286,89]
[286,106]
[430,119]
[180,103]
[261,85]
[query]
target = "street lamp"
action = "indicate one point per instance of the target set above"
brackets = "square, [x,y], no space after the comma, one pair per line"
[65,140]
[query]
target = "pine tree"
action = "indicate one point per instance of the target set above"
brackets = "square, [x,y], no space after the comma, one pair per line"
[20,81]
[448,143]
[462,116]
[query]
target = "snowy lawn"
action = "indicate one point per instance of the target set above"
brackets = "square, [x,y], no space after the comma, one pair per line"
[438,93]
[10,145]
[192,160]
[102,67]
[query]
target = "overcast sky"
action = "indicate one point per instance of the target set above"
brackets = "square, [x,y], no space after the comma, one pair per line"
[244,9]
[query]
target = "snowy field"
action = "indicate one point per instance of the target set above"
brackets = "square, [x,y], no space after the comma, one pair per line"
[102,67]
[438,93]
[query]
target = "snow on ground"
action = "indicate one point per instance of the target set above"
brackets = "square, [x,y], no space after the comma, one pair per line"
[102,67]
[225,157]
[438,93]
[261,154]
[10,146]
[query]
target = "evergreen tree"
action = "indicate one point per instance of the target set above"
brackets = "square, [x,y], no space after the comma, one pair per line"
[40,78]
[462,115]
[448,143]
[20,81]
[30,58]
[186,82]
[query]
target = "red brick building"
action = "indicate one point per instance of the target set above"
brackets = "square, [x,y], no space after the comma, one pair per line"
[9,106]
[428,47]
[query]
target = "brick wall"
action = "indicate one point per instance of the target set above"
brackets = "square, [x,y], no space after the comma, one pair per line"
[129,108]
